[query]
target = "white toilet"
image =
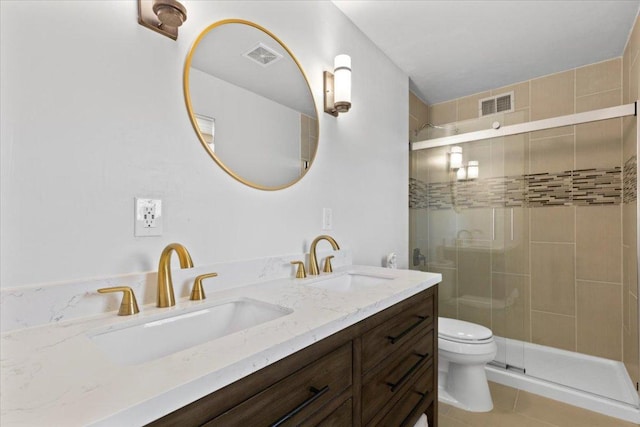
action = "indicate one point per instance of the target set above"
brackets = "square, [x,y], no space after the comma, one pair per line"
[464,349]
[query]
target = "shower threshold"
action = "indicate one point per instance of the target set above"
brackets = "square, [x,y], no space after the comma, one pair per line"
[589,382]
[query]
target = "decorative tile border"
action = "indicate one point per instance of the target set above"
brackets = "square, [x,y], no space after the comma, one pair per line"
[584,187]
[630,180]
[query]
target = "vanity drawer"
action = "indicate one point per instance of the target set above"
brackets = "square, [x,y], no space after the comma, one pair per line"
[386,384]
[382,340]
[341,417]
[297,396]
[413,403]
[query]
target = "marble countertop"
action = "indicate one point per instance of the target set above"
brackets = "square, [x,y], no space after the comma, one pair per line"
[55,374]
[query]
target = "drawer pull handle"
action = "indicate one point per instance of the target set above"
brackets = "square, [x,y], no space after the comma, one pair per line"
[406,331]
[316,395]
[407,374]
[405,422]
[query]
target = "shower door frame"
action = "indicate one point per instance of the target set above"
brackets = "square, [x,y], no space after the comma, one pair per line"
[498,131]
[568,120]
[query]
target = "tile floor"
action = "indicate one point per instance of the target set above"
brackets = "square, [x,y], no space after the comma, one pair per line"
[517,408]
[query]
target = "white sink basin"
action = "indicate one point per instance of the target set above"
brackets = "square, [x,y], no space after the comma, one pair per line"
[349,282]
[154,338]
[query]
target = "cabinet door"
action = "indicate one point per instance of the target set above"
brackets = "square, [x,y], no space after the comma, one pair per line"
[296,397]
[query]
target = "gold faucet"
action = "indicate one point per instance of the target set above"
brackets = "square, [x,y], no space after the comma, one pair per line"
[313,260]
[166,297]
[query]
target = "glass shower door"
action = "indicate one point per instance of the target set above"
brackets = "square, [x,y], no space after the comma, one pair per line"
[510,276]
[474,231]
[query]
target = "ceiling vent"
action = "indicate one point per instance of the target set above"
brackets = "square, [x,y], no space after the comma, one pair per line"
[503,103]
[263,55]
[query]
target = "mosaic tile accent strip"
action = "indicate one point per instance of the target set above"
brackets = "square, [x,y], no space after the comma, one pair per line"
[418,194]
[545,189]
[597,187]
[630,180]
[583,187]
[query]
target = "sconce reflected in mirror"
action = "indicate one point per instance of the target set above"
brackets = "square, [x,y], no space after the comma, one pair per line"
[163,16]
[337,86]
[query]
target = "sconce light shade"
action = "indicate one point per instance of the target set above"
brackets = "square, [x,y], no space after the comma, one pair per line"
[461,174]
[163,16]
[455,158]
[342,82]
[473,169]
[337,86]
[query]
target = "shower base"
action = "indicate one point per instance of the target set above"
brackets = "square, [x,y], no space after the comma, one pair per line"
[589,382]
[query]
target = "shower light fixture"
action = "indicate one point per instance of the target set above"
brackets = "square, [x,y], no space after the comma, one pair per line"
[473,169]
[337,86]
[455,158]
[163,16]
[461,174]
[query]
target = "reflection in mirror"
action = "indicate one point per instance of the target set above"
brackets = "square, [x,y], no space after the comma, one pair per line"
[207,128]
[251,104]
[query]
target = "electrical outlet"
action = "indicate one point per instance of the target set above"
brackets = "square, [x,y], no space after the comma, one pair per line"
[327,219]
[148,217]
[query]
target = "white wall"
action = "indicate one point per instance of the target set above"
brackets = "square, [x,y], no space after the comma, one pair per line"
[244,121]
[92,115]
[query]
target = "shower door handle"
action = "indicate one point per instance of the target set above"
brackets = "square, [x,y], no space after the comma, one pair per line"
[493,224]
[512,224]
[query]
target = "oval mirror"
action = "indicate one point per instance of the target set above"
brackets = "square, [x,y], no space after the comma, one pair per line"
[251,105]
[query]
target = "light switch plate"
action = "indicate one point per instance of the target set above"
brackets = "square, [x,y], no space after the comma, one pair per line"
[148,217]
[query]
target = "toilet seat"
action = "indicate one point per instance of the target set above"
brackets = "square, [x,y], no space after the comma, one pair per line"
[487,348]
[463,332]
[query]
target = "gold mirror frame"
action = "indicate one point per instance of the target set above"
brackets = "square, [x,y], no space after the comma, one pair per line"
[192,114]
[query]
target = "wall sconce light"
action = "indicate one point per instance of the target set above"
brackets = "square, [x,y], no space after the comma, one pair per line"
[163,16]
[461,174]
[455,158]
[337,86]
[473,169]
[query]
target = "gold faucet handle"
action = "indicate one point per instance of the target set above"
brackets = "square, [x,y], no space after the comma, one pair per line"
[327,265]
[129,305]
[197,293]
[301,273]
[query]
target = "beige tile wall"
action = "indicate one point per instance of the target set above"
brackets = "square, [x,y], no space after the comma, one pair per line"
[558,279]
[630,93]
[418,114]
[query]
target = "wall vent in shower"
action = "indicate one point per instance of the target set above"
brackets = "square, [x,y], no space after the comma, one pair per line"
[502,103]
[263,55]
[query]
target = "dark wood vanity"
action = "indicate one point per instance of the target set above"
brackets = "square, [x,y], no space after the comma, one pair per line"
[381,371]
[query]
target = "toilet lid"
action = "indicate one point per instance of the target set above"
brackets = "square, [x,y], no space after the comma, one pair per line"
[461,331]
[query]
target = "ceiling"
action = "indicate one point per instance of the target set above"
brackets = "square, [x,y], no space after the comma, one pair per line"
[456,48]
